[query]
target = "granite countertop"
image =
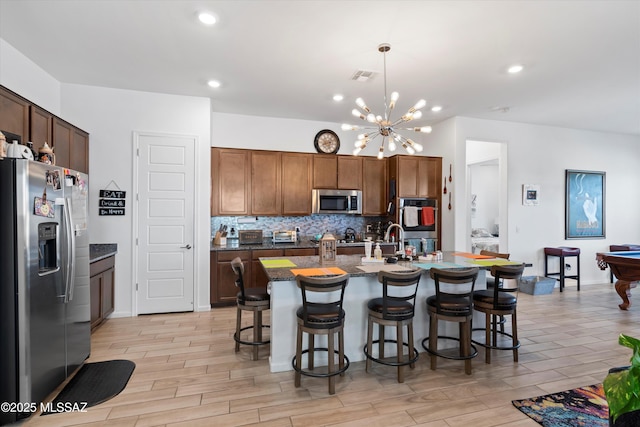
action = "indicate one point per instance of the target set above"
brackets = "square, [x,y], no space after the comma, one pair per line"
[99,251]
[304,243]
[348,263]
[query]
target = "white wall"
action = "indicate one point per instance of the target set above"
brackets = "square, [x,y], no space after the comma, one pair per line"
[540,155]
[24,77]
[111,116]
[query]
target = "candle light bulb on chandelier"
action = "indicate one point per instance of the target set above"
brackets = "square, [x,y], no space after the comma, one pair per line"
[371,118]
[360,103]
[381,152]
[392,145]
[346,126]
[420,104]
[414,145]
[423,129]
[357,113]
[409,149]
[394,98]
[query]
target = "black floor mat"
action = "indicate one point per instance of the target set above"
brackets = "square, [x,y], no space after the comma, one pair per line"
[94,383]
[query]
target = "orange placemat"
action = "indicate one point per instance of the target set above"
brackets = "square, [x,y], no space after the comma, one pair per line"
[323,271]
[470,255]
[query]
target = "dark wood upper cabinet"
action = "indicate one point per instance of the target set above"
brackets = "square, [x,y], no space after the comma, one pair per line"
[374,189]
[350,173]
[416,176]
[40,127]
[62,140]
[14,114]
[35,124]
[265,183]
[296,183]
[325,171]
[233,181]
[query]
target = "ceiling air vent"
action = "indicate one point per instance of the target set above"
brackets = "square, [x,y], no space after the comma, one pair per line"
[362,75]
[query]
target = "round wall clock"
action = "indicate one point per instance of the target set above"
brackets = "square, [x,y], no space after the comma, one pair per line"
[327,142]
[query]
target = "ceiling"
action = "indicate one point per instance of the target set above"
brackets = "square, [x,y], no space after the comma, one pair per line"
[288,58]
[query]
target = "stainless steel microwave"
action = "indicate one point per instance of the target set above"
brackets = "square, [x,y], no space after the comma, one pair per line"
[336,201]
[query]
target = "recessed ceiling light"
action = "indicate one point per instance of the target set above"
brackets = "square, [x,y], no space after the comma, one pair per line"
[214,83]
[516,68]
[436,108]
[206,18]
[338,97]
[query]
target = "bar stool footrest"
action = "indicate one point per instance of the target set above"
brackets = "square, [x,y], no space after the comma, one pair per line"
[238,340]
[495,347]
[473,354]
[309,373]
[389,362]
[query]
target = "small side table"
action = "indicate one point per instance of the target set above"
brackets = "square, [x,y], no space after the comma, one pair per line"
[562,252]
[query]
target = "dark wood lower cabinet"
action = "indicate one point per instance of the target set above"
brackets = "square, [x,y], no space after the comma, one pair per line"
[223,280]
[259,277]
[101,282]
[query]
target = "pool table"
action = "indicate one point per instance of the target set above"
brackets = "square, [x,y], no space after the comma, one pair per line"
[625,265]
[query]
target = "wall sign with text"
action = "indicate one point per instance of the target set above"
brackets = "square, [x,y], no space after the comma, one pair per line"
[111,202]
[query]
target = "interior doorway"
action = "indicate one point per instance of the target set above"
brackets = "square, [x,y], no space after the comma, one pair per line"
[164,238]
[486,196]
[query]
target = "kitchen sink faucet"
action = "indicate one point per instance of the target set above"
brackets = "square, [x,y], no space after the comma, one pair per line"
[400,237]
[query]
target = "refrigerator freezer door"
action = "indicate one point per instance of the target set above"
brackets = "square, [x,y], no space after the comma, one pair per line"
[40,321]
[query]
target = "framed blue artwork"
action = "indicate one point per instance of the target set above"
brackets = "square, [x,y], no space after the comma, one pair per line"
[585,205]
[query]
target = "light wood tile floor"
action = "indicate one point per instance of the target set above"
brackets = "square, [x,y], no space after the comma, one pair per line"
[187,373]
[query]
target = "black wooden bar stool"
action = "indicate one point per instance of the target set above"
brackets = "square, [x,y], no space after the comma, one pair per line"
[562,252]
[395,308]
[321,313]
[255,300]
[453,302]
[500,301]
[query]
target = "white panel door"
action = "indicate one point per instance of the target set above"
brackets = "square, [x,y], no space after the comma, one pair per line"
[165,223]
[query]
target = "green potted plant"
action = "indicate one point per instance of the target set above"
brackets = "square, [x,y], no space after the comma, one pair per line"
[622,388]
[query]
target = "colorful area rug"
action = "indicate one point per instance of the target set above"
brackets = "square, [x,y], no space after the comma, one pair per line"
[585,406]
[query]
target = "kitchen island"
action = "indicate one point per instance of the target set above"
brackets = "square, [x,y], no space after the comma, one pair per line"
[363,285]
[222,279]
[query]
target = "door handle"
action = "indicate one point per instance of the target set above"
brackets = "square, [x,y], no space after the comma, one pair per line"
[186,247]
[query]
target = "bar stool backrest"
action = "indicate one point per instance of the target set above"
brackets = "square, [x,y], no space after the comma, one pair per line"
[494,254]
[454,284]
[398,287]
[238,269]
[322,297]
[502,274]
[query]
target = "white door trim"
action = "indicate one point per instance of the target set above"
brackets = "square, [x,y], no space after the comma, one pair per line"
[135,216]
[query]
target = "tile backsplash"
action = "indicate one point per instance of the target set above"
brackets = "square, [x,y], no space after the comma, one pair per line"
[309,225]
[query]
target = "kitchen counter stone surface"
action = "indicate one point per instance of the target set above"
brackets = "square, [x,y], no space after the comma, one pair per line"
[304,243]
[101,251]
[348,263]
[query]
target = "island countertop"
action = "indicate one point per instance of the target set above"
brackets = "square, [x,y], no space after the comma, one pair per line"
[348,263]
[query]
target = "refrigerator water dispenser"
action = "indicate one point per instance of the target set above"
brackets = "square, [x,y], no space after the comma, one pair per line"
[47,247]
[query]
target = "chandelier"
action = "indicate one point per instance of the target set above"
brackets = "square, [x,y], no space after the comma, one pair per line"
[384,126]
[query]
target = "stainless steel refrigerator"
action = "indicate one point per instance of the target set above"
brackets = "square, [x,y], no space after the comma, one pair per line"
[44,281]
